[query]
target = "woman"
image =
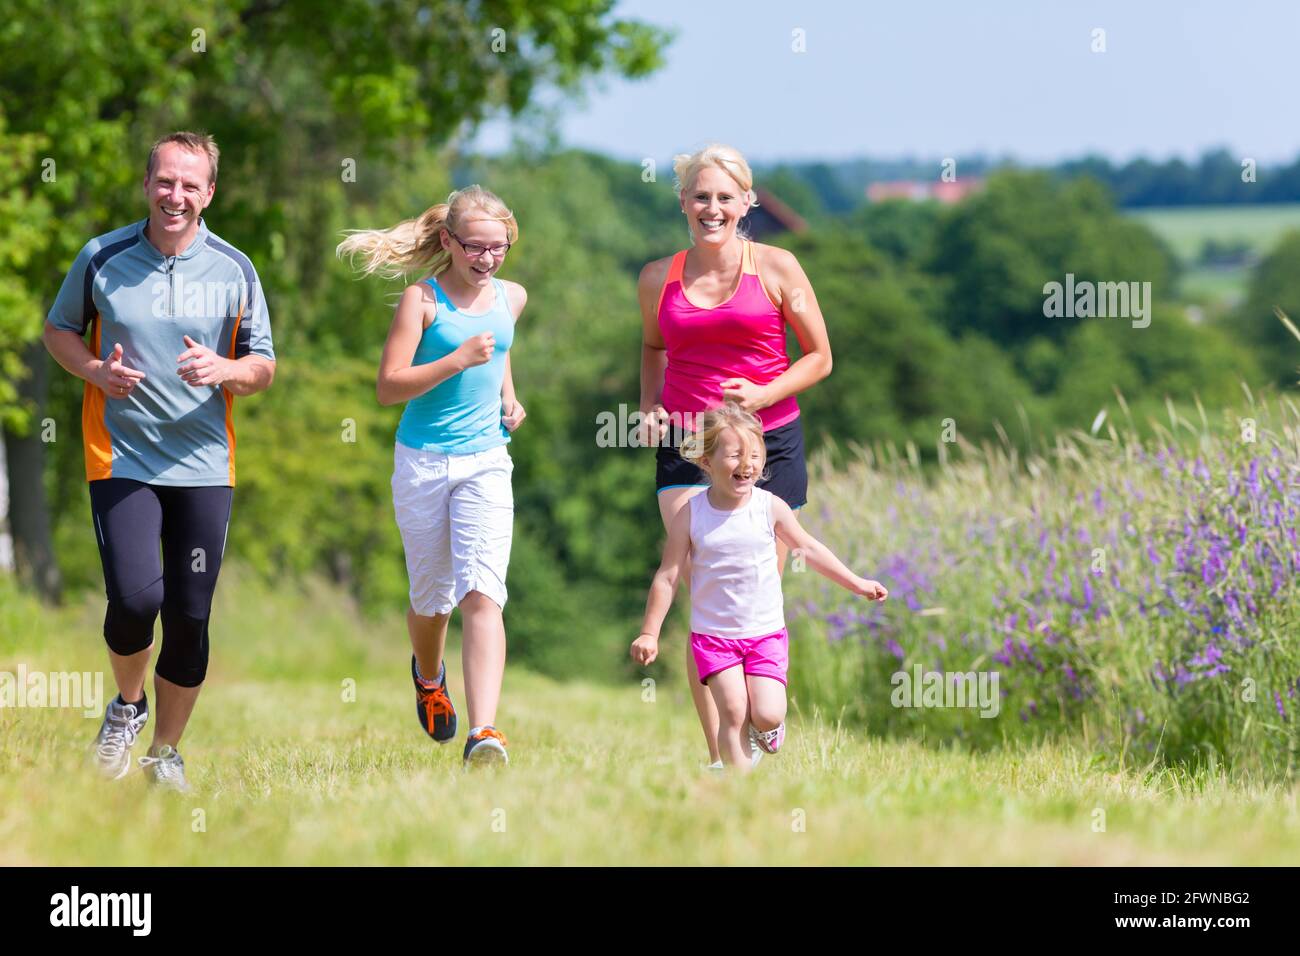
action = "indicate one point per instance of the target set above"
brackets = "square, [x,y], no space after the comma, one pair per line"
[714,320]
[447,357]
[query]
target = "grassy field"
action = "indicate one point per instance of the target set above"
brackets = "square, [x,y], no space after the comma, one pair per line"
[287,772]
[1186,229]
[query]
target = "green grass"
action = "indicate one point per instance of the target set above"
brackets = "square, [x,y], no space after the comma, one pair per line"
[288,773]
[1186,228]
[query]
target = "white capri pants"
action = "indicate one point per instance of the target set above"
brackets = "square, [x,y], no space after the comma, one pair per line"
[456,514]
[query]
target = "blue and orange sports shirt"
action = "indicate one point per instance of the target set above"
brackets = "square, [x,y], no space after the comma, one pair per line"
[122,289]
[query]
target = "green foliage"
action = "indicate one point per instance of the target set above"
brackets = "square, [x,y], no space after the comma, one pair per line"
[290,95]
[794,190]
[999,248]
[315,453]
[899,228]
[1275,285]
[1137,593]
[25,222]
[933,313]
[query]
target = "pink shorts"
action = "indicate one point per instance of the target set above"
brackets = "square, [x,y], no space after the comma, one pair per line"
[767,656]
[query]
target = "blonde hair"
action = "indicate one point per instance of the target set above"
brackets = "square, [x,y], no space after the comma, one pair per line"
[703,442]
[687,166]
[194,142]
[416,244]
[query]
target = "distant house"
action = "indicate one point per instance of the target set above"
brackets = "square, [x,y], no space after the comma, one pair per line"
[771,217]
[922,189]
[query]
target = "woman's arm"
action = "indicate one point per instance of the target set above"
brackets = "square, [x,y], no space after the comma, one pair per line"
[646,647]
[654,354]
[798,304]
[399,380]
[818,556]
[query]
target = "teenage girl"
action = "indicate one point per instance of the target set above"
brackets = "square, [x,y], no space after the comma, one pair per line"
[447,357]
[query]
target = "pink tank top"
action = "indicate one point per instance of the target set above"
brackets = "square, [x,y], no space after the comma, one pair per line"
[744,337]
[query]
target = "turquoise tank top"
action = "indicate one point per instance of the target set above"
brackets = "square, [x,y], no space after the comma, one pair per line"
[461,415]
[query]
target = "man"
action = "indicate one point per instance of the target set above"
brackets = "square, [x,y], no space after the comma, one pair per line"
[178,327]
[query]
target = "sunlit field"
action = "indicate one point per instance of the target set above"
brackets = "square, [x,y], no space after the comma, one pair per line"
[1136,601]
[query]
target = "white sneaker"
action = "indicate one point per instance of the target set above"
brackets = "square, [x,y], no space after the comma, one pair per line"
[715,767]
[166,768]
[117,735]
[766,741]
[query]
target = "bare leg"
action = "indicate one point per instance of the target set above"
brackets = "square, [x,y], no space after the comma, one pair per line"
[766,702]
[732,699]
[672,500]
[704,706]
[130,671]
[428,640]
[484,656]
[174,706]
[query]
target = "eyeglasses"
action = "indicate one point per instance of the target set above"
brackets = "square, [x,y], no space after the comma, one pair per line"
[476,249]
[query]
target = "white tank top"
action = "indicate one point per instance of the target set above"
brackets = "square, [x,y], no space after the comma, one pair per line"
[735,587]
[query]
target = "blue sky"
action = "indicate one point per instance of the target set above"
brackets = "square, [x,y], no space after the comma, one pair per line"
[936,78]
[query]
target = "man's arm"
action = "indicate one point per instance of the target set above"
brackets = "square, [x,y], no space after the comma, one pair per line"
[250,374]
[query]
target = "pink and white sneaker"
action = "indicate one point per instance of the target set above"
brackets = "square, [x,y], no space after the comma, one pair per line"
[768,741]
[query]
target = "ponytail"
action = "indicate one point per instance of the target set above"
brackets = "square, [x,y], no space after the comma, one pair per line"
[416,244]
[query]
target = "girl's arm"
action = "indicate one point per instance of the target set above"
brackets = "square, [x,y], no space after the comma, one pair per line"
[512,412]
[818,556]
[646,647]
[798,303]
[399,380]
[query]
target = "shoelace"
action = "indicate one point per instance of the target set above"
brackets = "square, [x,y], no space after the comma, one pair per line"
[435,702]
[491,732]
[169,767]
[119,738]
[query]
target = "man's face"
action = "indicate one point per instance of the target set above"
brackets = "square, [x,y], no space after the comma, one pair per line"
[178,189]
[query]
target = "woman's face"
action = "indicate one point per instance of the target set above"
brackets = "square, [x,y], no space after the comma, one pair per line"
[734,465]
[713,205]
[476,265]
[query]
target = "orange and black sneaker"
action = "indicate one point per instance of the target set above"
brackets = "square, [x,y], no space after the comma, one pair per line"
[432,705]
[486,746]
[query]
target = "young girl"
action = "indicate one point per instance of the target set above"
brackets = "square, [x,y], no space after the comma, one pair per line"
[738,635]
[447,357]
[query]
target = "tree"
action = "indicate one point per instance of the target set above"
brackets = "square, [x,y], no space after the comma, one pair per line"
[295,99]
[1274,285]
[1001,247]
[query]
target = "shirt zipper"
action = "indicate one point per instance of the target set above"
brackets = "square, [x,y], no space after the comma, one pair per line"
[171,287]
